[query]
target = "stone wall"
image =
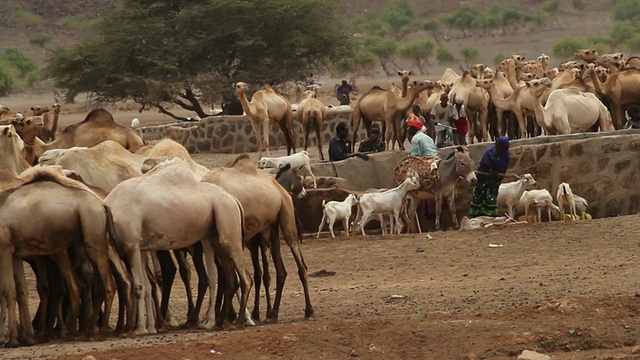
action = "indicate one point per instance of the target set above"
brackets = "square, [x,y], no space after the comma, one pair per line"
[234,134]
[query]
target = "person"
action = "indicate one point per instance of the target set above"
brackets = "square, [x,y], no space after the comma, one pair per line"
[311,80]
[461,124]
[338,146]
[373,143]
[421,143]
[343,91]
[634,117]
[491,170]
[442,113]
[416,112]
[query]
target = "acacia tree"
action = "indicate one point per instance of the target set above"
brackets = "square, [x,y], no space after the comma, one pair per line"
[418,52]
[157,52]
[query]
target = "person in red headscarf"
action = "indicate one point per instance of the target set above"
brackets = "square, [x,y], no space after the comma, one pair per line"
[421,143]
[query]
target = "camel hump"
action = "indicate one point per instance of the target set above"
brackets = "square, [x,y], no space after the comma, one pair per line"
[52,174]
[244,164]
[99,115]
[267,87]
[376,87]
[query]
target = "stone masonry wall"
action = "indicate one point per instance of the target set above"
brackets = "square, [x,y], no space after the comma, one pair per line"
[234,134]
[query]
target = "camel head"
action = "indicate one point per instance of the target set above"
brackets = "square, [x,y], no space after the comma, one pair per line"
[241,87]
[488,73]
[543,59]
[56,108]
[37,110]
[602,73]
[538,86]
[28,127]
[527,76]
[610,58]
[9,139]
[519,59]
[477,70]
[404,75]
[568,65]
[420,86]
[588,55]
[532,68]
[485,83]
[310,94]
[552,73]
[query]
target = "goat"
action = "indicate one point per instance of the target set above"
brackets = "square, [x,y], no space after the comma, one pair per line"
[539,199]
[509,193]
[297,161]
[565,197]
[581,204]
[337,210]
[135,123]
[387,201]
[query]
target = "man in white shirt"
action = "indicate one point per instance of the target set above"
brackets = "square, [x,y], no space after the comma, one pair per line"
[442,116]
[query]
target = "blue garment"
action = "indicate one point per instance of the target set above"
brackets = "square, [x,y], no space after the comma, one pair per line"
[485,193]
[495,161]
[423,145]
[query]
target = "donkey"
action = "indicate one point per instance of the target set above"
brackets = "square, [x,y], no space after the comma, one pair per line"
[456,167]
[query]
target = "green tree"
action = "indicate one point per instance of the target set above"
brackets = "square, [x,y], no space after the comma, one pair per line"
[469,55]
[432,26]
[418,52]
[497,59]
[361,63]
[626,10]
[551,6]
[567,47]
[621,31]
[400,17]
[444,55]
[384,49]
[633,44]
[169,52]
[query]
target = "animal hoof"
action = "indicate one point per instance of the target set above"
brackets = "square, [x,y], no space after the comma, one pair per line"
[12,344]
[272,320]
[141,332]
[308,314]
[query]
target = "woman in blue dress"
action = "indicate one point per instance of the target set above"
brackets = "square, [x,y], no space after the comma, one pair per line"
[491,170]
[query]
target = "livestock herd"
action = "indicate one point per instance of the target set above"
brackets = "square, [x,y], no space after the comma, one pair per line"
[95,212]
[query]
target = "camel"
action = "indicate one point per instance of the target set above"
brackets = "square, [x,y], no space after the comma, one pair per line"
[72,214]
[27,128]
[104,165]
[477,71]
[312,113]
[11,147]
[267,107]
[633,62]
[543,60]
[384,106]
[620,89]
[476,100]
[404,80]
[395,90]
[199,212]
[48,131]
[168,148]
[268,209]
[499,87]
[568,110]
[96,127]
[7,114]
[449,77]
[519,102]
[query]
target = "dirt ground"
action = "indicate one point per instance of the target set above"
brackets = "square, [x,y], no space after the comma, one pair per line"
[569,290]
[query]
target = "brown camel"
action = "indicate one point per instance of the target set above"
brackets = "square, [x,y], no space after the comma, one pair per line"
[620,89]
[267,107]
[268,209]
[28,128]
[312,113]
[633,62]
[476,100]
[6,115]
[168,148]
[385,106]
[199,212]
[48,131]
[77,216]
[11,147]
[96,127]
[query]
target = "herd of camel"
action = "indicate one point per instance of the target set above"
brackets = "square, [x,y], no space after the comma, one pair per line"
[521,98]
[98,212]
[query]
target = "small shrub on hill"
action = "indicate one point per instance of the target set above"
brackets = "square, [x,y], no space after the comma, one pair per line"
[469,55]
[444,55]
[26,17]
[40,39]
[76,22]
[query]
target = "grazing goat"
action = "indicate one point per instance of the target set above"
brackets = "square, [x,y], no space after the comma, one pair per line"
[565,197]
[297,161]
[509,193]
[387,201]
[539,199]
[581,204]
[337,210]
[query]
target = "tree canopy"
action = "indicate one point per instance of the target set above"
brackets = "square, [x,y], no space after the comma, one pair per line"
[183,51]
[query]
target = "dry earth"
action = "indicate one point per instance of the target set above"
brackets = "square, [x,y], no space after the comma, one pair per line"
[565,289]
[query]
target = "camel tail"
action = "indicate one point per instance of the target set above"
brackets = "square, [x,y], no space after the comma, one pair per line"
[242,228]
[110,227]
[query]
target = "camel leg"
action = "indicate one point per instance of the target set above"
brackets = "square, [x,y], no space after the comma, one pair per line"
[324,216]
[388,135]
[42,287]
[233,253]
[294,245]
[549,213]
[139,288]
[258,134]
[185,275]
[28,334]
[438,211]
[266,276]
[412,211]
[154,318]
[522,126]
[281,272]
[209,260]
[3,318]
[305,132]
[203,281]
[484,124]
[123,284]
[168,275]
[8,292]
[396,132]
[383,224]
[254,248]
[66,270]
[316,126]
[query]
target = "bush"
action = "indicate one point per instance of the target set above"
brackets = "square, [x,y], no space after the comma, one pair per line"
[26,17]
[7,73]
[567,47]
[626,10]
[76,22]
[469,55]
[551,6]
[578,4]
[443,55]
[497,59]
[40,39]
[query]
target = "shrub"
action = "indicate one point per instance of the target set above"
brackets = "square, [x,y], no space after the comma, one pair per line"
[27,17]
[551,6]
[578,4]
[567,47]
[40,39]
[443,55]
[76,22]
[497,59]
[626,10]
[469,55]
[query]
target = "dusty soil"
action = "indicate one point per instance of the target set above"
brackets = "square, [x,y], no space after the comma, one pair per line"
[565,289]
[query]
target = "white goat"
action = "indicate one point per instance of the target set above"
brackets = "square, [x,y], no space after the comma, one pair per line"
[297,161]
[565,197]
[337,210]
[509,193]
[135,122]
[539,199]
[387,201]
[581,204]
